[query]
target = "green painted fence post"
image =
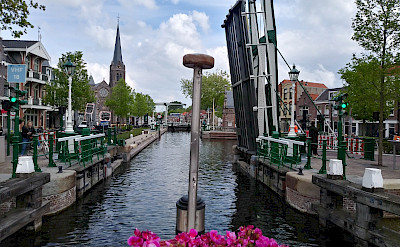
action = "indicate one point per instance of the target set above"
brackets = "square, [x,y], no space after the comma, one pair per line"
[308,165]
[35,153]
[109,136]
[323,168]
[51,161]
[115,135]
[15,144]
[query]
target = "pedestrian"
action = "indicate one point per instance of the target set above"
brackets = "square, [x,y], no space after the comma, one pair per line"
[27,135]
[314,138]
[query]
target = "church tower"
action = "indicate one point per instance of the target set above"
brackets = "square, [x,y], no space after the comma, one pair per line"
[117,67]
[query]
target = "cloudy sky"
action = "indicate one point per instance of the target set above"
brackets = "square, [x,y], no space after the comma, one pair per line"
[313,34]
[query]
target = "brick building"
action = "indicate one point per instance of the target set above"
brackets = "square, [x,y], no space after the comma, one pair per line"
[36,58]
[102,90]
[285,93]
[228,112]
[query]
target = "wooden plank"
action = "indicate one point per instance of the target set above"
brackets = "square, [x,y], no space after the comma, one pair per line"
[18,186]
[381,200]
[16,219]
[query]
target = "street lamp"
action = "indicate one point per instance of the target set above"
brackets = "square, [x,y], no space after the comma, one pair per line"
[293,75]
[69,68]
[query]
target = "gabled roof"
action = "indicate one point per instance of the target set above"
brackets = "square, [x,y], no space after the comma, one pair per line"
[324,96]
[28,46]
[307,84]
[19,43]
[117,49]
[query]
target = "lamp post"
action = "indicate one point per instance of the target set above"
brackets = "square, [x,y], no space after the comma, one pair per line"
[69,69]
[293,75]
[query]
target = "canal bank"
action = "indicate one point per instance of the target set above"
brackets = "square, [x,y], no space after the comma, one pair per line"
[63,188]
[143,194]
[343,203]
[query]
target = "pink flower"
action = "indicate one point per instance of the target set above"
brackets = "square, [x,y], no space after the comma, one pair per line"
[193,233]
[135,241]
[137,232]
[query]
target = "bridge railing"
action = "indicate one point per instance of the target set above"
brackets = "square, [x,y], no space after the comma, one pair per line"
[280,152]
[82,149]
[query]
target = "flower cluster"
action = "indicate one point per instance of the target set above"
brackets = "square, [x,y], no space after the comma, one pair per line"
[145,239]
[247,236]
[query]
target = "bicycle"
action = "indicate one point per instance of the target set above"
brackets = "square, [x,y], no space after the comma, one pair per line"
[43,147]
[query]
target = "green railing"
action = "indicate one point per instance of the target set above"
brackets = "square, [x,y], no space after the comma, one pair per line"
[82,149]
[62,148]
[280,152]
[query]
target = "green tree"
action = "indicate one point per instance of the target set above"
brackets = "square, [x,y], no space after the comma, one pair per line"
[57,89]
[213,88]
[377,29]
[15,13]
[143,105]
[121,100]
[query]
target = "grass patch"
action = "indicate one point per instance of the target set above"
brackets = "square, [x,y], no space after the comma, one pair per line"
[134,132]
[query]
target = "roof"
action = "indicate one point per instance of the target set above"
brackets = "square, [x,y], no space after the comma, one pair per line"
[117,49]
[91,80]
[307,84]
[314,96]
[18,43]
[324,96]
[229,99]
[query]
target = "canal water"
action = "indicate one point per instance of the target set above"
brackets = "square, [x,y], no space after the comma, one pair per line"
[144,193]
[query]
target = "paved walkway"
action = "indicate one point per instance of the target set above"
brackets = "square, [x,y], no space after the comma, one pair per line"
[357,165]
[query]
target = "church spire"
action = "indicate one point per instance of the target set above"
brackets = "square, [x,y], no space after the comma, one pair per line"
[117,49]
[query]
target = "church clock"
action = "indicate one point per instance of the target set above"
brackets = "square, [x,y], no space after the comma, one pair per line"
[103,92]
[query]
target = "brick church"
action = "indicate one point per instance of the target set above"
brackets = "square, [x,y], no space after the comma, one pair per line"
[102,89]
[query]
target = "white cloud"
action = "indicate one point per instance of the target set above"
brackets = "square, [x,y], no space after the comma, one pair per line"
[175,1]
[202,19]
[99,72]
[150,4]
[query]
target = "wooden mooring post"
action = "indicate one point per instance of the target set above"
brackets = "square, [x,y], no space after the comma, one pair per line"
[365,224]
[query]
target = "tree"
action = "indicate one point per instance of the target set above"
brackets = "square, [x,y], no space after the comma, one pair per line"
[377,29]
[15,13]
[121,100]
[57,89]
[213,88]
[143,105]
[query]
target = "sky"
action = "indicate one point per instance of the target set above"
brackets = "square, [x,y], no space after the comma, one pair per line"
[155,35]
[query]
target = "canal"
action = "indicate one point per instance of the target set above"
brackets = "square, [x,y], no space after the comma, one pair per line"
[144,193]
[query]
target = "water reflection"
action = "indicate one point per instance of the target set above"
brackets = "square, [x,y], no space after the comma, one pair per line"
[144,194]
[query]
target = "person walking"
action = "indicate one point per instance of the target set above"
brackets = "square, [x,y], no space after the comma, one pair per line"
[314,138]
[27,133]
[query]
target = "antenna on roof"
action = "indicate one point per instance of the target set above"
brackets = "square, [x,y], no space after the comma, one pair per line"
[118,19]
[39,34]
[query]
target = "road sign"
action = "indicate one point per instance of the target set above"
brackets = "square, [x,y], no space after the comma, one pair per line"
[16,73]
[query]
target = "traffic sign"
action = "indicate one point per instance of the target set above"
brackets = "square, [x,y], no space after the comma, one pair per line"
[16,73]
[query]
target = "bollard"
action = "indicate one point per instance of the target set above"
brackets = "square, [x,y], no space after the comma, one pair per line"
[323,168]
[35,153]
[198,62]
[182,215]
[51,161]
[308,165]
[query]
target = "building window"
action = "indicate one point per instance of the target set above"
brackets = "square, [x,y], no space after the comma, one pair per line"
[36,65]
[31,115]
[332,95]
[391,130]
[326,112]
[334,113]
[290,93]
[285,93]
[354,128]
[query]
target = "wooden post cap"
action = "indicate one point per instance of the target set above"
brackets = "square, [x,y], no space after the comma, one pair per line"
[198,60]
